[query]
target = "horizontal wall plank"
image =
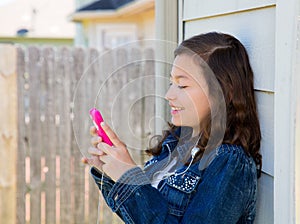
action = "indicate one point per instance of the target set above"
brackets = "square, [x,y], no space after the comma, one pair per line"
[265,201]
[265,107]
[195,9]
[255,29]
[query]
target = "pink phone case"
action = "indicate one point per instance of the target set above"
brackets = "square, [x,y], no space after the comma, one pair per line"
[97,119]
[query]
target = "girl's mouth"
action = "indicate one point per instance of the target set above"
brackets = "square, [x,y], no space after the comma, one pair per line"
[175,110]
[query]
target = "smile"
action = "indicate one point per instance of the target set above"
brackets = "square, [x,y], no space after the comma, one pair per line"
[177,108]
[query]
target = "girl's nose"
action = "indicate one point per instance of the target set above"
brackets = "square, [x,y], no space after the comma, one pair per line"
[170,94]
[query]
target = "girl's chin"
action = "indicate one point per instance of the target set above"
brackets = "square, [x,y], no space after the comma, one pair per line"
[176,122]
[179,123]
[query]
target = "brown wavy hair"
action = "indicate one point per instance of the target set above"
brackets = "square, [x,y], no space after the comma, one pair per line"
[227,58]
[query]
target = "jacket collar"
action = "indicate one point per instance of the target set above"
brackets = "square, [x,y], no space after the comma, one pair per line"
[180,141]
[172,138]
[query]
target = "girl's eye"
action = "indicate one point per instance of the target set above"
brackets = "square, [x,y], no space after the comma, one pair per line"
[178,86]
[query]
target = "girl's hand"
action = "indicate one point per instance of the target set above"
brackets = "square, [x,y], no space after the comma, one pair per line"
[115,160]
[93,160]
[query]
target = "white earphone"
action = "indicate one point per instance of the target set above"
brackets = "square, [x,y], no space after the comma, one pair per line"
[194,151]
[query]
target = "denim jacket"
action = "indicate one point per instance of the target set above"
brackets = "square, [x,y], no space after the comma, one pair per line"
[220,188]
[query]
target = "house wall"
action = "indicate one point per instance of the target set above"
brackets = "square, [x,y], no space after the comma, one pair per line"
[253,23]
[146,25]
[139,27]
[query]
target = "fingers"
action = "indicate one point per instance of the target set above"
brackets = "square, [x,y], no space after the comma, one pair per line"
[93,161]
[105,148]
[95,141]
[93,131]
[112,136]
[96,151]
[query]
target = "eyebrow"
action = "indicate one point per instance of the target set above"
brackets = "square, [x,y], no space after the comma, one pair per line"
[178,77]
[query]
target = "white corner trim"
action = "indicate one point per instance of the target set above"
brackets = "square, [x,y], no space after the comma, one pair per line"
[180,21]
[297,122]
[285,116]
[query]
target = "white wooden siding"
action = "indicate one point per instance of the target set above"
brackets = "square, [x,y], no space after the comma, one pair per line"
[255,29]
[248,28]
[265,200]
[253,23]
[265,107]
[195,9]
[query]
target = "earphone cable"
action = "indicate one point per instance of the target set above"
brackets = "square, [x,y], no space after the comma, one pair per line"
[99,199]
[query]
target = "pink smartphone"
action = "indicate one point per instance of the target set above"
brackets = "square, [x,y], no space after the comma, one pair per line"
[97,119]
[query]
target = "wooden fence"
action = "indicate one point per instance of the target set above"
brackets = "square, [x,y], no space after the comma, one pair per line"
[55,90]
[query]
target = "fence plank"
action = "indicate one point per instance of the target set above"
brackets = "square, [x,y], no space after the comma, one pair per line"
[119,104]
[63,90]
[49,136]
[104,90]
[148,87]
[93,83]
[79,131]
[119,80]
[104,103]
[22,136]
[136,103]
[8,133]
[34,70]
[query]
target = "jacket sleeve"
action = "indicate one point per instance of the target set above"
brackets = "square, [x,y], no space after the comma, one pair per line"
[221,197]
[227,191]
[133,198]
[104,183]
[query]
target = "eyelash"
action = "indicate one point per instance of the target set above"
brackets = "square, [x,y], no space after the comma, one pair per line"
[179,87]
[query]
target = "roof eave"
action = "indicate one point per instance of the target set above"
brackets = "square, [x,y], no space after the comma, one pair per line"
[128,10]
[85,15]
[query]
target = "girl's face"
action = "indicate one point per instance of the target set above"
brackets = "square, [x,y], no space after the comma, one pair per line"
[188,93]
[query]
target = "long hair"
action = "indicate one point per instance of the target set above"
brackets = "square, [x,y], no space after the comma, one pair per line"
[228,60]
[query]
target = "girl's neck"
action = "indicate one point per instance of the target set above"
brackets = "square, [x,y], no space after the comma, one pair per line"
[196,132]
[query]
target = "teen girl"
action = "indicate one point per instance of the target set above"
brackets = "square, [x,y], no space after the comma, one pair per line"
[205,168]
